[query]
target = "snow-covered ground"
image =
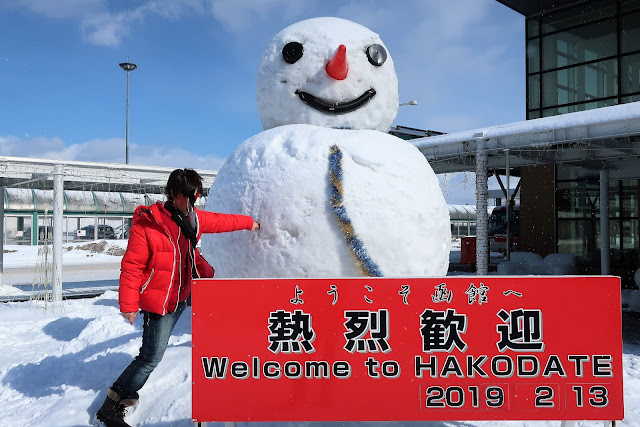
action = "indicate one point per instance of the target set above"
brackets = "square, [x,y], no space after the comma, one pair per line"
[56,364]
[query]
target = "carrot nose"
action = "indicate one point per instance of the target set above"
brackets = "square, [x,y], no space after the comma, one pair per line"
[338,66]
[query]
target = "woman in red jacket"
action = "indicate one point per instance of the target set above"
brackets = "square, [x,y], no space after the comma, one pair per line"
[156,273]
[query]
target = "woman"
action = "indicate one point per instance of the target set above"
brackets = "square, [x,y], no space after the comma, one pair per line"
[156,273]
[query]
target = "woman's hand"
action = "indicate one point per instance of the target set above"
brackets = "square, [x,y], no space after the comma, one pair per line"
[256,226]
[130,316]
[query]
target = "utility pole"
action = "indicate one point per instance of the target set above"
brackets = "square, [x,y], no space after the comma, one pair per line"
[127,66]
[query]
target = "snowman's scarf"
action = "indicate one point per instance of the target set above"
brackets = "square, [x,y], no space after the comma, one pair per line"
[364,262]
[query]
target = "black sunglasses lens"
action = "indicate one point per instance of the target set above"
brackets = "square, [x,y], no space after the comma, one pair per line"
[191,195]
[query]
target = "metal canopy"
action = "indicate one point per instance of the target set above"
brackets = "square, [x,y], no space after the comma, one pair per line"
[535,7]
[606,138]
[462,212]
[19,172]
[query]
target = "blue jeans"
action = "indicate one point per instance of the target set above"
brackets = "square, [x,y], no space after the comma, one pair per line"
[155,337]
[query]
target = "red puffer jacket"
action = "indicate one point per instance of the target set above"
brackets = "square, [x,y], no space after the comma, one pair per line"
[152,273]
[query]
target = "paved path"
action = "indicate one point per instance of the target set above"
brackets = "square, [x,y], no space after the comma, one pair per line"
[70,273]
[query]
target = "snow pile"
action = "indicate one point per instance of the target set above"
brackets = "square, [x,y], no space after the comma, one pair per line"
[278,81]
[100,247]
[527,263]
[55,367]
[11,291]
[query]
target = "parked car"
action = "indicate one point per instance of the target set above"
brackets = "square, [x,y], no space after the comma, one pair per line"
[104,232]
[118,232]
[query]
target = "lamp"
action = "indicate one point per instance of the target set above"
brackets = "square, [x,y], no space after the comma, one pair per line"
[127,66]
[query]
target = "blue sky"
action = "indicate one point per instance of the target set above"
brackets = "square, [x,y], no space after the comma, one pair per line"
[192,98]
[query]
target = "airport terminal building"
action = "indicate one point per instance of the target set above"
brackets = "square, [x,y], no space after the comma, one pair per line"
[582,132]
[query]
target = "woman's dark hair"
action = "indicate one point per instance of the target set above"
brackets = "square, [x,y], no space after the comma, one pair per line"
[183,181]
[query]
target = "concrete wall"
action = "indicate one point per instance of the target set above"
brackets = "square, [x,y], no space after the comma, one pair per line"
[537,210]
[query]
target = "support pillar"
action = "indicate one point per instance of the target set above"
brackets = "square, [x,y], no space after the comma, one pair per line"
[482,216]
[58,204]
[1,231]
[509,205]
[605,250]
[34,228]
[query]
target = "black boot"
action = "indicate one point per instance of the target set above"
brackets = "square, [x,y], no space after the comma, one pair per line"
[113,410]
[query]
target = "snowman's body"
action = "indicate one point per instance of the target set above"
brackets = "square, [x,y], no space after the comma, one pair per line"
[281,177]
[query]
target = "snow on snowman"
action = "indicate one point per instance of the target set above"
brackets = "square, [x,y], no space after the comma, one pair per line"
[335,194]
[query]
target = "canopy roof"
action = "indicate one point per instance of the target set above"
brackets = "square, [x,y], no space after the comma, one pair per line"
[462,212]
[19,172]
[604,138]
[534,7]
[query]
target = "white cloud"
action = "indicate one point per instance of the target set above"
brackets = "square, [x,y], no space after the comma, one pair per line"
[104,27]
[62,9]
[110,150]
[240,15]
[30,147]
[108,29]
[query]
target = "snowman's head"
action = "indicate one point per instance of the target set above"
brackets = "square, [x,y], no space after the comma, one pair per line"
[327,72]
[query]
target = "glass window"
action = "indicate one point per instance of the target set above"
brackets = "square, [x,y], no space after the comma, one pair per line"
[578,222]
[581,238]
[580,83]
[628,5]
[630,36]
[533,27]
[623,199]
[579,107]
[624,243]
[629,249]
[580,44]
[578,199]
[627,99]
[533,56]
[534,114]
[534,91]
[629,198]
[631,73]
[569,17]
[567,173]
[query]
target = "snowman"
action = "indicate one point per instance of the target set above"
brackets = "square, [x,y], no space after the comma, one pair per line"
[335,194]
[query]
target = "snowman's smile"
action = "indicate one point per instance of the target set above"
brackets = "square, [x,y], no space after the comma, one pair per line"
[335,107]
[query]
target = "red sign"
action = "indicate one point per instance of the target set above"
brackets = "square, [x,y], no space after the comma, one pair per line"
[454,348]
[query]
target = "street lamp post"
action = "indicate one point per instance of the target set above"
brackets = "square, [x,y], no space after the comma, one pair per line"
[127,66]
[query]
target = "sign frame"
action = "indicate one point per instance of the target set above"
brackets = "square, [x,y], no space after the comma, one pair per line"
[459,347]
